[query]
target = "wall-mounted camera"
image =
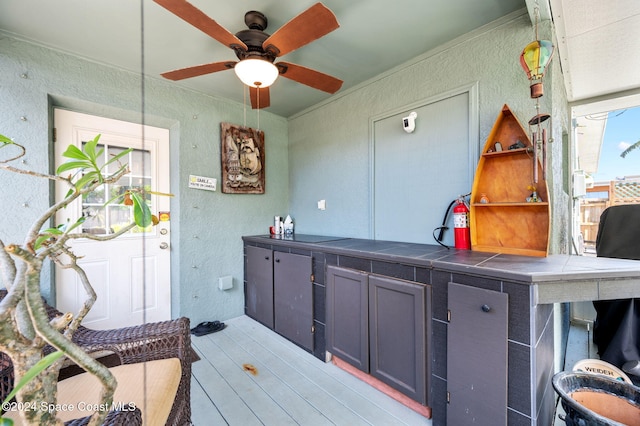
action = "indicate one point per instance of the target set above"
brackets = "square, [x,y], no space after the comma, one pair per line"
[409,123]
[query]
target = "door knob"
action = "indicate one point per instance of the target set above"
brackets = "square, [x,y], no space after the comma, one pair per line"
[164,246]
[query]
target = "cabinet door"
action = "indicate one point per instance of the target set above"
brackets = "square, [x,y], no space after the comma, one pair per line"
[259,290]
[348,316]
[477,356]
[293,297]
[398,352]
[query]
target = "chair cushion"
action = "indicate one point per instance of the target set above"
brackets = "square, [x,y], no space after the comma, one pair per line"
[161,379]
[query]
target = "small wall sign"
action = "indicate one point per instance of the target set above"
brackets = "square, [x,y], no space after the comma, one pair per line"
[201,182]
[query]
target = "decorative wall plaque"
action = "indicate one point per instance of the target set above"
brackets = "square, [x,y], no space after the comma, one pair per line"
[243,160]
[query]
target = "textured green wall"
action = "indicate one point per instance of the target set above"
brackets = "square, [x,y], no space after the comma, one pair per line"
[206,226]
[329,145]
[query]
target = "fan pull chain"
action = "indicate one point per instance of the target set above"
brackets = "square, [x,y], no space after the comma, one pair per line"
[258,102]
[244,103]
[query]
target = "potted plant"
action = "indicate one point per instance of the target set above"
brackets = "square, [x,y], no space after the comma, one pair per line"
[25,328]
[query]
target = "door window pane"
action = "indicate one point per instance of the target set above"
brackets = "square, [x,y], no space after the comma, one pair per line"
[107,219]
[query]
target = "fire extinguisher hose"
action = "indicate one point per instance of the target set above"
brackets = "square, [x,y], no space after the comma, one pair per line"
[444,226]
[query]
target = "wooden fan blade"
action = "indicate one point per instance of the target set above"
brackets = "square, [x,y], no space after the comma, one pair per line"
[197,70]
[201,21]
[259,100]
[309,77]
[308,26]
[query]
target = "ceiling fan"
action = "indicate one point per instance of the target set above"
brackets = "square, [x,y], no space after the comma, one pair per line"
[255,47]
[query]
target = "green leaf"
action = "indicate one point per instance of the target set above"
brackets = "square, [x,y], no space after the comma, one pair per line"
[73,151]
[90,148]
[53,231]
[6,422]
[119,170]
[78,222]
[33,372]
[69,193]
[58,230]
[164,194]
[119,156]
[88,178]
[41,239]
[48,233]
[629,149]
[113,200]
[70,165]
[141,212]
[5,140]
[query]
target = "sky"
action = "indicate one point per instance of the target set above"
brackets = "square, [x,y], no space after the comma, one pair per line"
[622,130]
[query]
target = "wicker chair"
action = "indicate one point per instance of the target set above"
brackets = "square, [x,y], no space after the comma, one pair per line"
[130,345]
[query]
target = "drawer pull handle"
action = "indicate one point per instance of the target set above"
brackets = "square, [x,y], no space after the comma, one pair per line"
[486,308]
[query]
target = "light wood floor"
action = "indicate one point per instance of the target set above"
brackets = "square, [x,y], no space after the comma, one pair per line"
[284,385]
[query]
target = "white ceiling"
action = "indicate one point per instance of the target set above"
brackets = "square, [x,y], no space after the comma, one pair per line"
[599,41]
[598,46]
[374,36]
[599,50]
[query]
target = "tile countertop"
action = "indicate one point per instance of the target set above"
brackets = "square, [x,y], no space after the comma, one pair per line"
[556,278]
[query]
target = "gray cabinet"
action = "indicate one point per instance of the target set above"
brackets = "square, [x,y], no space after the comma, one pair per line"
[477,356]
[398,343]
[293,297]
[259,285]
[379,325]
[279,293]
[347,325]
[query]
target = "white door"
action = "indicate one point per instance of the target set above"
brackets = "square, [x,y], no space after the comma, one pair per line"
[131,274]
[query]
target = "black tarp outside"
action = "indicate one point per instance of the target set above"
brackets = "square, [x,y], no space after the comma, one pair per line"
[616,330]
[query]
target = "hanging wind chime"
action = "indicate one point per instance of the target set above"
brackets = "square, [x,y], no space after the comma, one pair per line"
[534,59]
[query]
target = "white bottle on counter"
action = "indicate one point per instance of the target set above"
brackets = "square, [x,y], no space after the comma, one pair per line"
[288,226]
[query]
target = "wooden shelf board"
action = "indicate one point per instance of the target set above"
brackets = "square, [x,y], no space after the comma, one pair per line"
[524,150]
[540,204]
[510,250]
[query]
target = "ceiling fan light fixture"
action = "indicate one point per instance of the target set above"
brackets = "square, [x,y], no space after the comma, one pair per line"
[256,72]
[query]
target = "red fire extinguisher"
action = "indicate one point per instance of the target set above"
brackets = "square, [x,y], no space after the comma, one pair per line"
[462,233]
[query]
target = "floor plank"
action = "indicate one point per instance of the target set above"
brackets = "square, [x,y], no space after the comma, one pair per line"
[223,396]
[349,390]
[368,402]
[291,386]
[298,379]
[203,411]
